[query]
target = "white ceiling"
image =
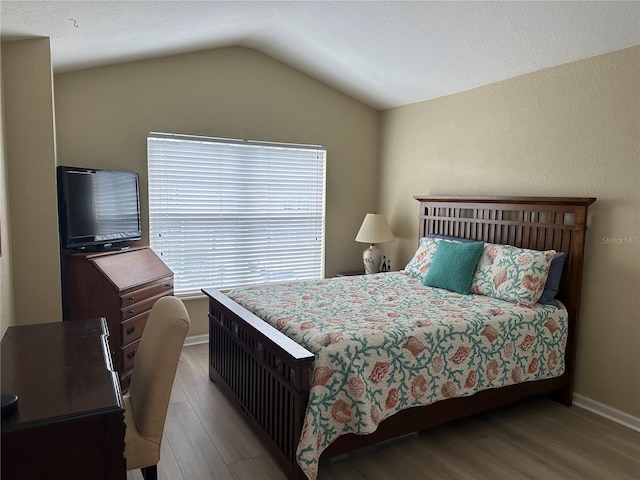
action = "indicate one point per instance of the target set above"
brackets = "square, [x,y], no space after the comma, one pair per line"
[384,53]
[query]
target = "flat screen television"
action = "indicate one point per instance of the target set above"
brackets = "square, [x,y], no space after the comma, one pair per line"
[97,209]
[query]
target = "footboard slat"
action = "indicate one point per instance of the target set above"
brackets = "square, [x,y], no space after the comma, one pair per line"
[245,360]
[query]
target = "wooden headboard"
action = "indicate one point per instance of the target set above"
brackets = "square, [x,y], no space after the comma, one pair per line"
[538,223]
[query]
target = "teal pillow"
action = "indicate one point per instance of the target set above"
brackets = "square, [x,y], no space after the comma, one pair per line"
[453,266]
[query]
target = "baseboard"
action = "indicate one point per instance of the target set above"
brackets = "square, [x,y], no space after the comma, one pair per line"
[196,340]
[608,412]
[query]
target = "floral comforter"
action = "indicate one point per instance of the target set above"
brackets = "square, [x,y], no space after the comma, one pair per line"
[384,343]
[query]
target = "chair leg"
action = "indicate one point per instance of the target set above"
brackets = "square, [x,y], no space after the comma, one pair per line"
[150,473]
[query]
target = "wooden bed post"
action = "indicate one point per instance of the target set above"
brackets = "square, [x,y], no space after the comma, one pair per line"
[572,298]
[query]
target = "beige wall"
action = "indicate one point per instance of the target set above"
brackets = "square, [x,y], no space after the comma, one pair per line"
[30,168]
[569,130]
[572,130]
[6,278]
[104,114]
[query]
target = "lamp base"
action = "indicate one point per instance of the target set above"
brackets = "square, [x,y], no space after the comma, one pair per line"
[372,257]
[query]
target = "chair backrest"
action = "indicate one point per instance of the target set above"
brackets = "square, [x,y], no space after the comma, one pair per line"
[155,365]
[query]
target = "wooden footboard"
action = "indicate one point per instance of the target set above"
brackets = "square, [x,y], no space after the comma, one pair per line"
[268,375]
[264,372]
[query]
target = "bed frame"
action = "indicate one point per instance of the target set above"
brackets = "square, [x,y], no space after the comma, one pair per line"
[267,375]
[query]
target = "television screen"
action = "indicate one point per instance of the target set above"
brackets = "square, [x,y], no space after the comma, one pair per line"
[97,207]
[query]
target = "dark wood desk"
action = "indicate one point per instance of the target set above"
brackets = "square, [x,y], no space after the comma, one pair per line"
[70,418]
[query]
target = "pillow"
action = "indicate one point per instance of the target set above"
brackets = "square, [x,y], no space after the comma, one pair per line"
[453,266]
[419,265]
[513,274]
[552,285]
[421,261]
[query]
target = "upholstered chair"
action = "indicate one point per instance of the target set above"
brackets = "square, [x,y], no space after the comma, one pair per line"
[151,381]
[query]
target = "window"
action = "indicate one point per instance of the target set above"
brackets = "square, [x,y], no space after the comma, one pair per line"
[225,213]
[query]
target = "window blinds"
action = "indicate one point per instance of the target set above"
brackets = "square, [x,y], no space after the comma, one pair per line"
[225,213]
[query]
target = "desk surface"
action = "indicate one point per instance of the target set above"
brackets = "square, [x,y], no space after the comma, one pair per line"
[58,370]
[70,419]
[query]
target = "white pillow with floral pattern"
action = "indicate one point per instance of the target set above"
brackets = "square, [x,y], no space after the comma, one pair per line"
[513,274]
[419,265]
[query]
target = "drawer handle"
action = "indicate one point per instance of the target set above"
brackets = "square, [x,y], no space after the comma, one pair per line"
[130,355]
[130,330]
[168,285]
[132,298]
[132,311]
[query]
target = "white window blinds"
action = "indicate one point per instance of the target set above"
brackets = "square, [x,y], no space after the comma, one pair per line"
[225,213]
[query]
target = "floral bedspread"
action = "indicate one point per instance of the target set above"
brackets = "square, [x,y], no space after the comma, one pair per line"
[384,343]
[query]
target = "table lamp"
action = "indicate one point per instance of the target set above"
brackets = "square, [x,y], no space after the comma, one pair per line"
[374,229]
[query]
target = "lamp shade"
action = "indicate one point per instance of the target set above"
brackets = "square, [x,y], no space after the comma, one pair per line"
[375,229]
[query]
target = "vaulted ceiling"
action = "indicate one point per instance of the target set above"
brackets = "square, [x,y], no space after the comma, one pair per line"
[384,53]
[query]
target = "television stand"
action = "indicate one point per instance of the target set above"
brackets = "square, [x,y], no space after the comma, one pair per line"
[120,286]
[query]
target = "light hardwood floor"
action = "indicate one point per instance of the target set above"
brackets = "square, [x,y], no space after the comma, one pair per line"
[206,439]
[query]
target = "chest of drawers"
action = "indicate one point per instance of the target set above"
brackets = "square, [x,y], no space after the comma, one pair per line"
[121,287]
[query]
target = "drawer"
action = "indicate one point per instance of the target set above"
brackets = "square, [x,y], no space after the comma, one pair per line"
[131,330]
[141,307]
[129,355]
[146,291]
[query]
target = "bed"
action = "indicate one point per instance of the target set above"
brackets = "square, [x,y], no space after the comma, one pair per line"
[271,378]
